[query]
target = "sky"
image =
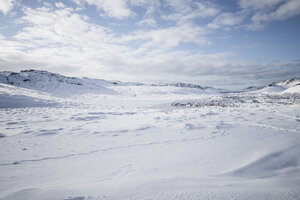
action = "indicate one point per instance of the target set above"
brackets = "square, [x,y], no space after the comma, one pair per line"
[222,43]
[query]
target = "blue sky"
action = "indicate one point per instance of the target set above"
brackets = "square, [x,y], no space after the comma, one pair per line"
[232,43]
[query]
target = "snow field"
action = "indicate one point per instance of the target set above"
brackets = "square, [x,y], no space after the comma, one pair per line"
[148,142]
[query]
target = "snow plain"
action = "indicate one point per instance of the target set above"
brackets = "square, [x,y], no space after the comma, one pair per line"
[111,140]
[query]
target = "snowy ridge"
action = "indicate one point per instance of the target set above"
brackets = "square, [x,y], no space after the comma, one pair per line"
[60,85]
[179,84]
[290,82]
[54,83]
[286,86]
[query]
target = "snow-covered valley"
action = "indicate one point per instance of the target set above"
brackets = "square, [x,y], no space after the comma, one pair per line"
[88,139]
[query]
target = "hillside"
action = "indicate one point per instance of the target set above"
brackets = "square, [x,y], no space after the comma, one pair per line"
[54,83]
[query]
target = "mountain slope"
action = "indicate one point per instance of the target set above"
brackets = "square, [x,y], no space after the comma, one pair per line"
[55,84]
[286,86]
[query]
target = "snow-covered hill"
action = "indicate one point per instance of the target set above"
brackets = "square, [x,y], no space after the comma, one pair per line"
[54,83]
[62,86]
[287,86]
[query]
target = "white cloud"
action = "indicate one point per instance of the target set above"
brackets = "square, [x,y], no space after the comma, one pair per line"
[78,2]
[57,26]
[167,38]
[262,12]
[225,20]
[259,4]
[6,6]
[288,9]
[122,9]
[150,6]
[186,10]
[47,4]
[59,5]
[113,8]
[147,22]
[62,39]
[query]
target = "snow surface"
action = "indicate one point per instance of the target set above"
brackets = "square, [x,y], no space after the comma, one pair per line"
[113,140]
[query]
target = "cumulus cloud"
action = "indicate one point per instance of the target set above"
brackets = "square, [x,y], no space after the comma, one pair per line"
[48,26]
[6,6]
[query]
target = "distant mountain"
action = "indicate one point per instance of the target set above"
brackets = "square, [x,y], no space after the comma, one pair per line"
[54,83]
[292,81]
[253,88]
[60,85]
[179,84]
[286,86]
